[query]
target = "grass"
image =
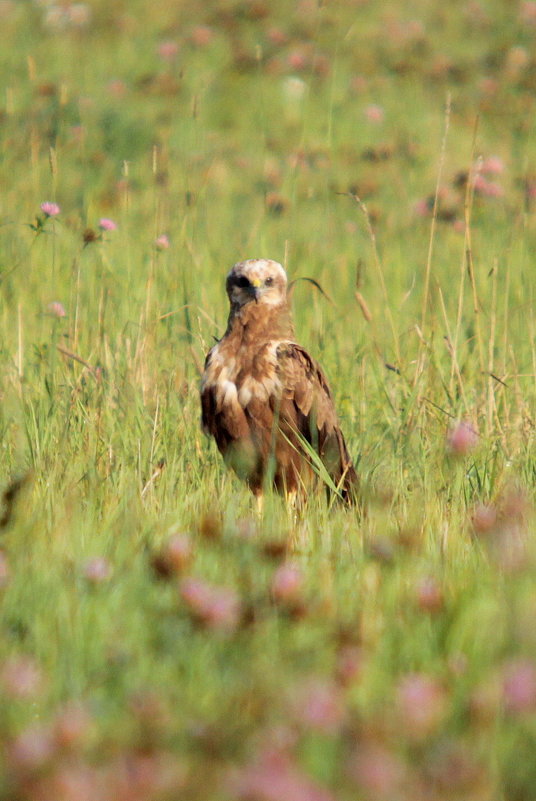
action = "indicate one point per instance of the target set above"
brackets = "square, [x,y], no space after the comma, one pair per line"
[157,639]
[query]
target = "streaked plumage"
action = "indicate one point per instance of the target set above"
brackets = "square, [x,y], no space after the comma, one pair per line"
[261,392]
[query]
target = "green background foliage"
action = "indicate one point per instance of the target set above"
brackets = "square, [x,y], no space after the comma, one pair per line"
[387,151]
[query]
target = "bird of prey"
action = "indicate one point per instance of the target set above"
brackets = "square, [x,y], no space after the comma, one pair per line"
[263,396]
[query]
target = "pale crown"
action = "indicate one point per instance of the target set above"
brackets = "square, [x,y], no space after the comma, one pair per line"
[260,280]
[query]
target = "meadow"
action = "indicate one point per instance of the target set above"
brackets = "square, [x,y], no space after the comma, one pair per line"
[158,640]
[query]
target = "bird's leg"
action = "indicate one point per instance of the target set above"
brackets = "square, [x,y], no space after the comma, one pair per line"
[295,505]
[259,499]
[292,499]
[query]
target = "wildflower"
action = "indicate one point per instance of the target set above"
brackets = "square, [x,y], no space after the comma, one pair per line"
[168,50]
[457,663]
[493,165]
[429,595]
[519,686]
[422,207]
[421,704]
[319,706]
[21,678]
[377,771]
[56,309]
[358,84]
[374,113]
[72,725]
[527,12]
[504,528]
[297,60]
[415,31]
[484,518]
[78,133]
[517,59]
[446,203]
[246,529]
[7,7]
[79,15]
[277,36]
[476,15]
[201,35]
[50,209]
[275,776]
[55,18]
[162,243]
[72,781]
[97,570]
[4,570]
[149,708]
[152,774]
[349,666]
[117,88]
[32,749]
[321,65]
[215,607]
[530,189]
[453,770]
[515,507]
[287,583]
[486,188]
[488,86]
[461,439]
[106,224]
[381,549]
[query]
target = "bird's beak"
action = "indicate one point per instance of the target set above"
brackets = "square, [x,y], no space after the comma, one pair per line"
[256,289]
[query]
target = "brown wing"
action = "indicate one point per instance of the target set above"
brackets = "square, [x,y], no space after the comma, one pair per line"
[224,418]
[306,406]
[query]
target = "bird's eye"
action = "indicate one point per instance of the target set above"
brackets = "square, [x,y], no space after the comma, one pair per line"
[269,281]
[242,282]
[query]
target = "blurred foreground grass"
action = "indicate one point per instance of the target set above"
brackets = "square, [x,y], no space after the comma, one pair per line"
[157,640]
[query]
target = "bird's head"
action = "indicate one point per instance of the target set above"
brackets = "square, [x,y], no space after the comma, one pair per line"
[260,280]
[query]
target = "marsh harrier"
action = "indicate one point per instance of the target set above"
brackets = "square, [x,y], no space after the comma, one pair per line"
[265,401]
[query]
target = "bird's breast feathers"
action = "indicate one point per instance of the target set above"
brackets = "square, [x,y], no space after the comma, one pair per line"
[242,375]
